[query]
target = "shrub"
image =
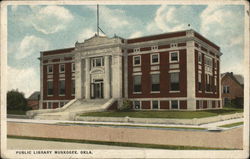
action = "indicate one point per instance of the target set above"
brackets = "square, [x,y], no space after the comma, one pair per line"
[126,106]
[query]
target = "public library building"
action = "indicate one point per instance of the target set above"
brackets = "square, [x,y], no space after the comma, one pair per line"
[176,71]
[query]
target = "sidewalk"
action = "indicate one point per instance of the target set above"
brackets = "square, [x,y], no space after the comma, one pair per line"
[214,125]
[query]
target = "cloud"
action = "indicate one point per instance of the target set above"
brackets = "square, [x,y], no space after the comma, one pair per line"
[17,77]
[222,24]
[86,34]
[136,34]
[31,45]
[50,19]
[174,18]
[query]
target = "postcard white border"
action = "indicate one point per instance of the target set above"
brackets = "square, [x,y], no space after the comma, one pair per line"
[128,153]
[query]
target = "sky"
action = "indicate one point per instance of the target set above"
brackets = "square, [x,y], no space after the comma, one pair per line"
[36,28]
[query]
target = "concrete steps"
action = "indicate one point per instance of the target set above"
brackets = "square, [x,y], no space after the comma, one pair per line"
[78,107]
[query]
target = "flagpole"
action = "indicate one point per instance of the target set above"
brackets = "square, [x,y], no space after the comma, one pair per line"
[97,27]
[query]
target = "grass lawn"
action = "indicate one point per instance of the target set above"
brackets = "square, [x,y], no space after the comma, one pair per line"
[171,147]
[232,125]
[165,114]
[16,112]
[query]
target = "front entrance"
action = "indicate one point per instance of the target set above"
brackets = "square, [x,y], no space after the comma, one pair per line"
[97,89]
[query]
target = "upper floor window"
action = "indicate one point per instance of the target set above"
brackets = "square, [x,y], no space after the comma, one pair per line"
[208,61]
[136,60]
[50,68]
[50,88]
[174,81]
[173,45]
[199,58]
[154,47]
[97,62]
[137,83]
[155,82]
[73,87]
[199,82]
[136,49]
[62,87]
[174,57]
[73,67]
[155,58]
[62,68]
[226,89]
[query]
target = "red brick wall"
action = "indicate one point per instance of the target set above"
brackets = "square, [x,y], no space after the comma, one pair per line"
[183,104]
[164,104]
[145,105]
[235,90]
[164,76]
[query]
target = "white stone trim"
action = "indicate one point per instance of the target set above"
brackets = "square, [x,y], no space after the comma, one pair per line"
[178,56]
[151,58]
[134,60]
[158,51]
[73,66]
[136,73]
[174,91]
[154,72]
[153,92]
[52,63]
[136,50]
[154,48]
[172,71]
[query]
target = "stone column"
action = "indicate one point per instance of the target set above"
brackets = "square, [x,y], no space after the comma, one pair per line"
[117,76]
[106,77]
[191,103]
[87,76]
[78,77]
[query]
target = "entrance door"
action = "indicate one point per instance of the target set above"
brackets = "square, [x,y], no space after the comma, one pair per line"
[97,89]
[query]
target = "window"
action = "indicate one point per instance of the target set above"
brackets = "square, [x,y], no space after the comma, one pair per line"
[137,60]
[173,45]
[215,64]
[154,58]
[137,83]
[97,62]
[199,58]
[136,49]
[61,104]
[174,57]
[62,68]
[200,104]
[49,105]
[50,88]
[155,104]
[154,47]
[226,89]
[208,83]
[208,61]
[73,87]
[199,82]
[174,104]
[62,87]
[174,81]
[137,104]
[50,68]
[73,67]
[155,82]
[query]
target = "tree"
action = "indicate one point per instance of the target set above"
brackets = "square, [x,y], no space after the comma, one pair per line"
[16,101]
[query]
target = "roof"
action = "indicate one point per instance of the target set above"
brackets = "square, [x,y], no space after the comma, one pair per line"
[236,77]
[34,96]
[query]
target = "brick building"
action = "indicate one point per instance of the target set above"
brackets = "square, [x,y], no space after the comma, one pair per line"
[33,100]
[232,89]
[176,70]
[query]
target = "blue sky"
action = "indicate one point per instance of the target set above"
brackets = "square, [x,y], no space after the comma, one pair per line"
[35,28]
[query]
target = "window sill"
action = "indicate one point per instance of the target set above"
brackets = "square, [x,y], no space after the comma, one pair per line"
[174,91]
[137,92]
[50,95]
[155,92]
[61,95]
[209,92]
